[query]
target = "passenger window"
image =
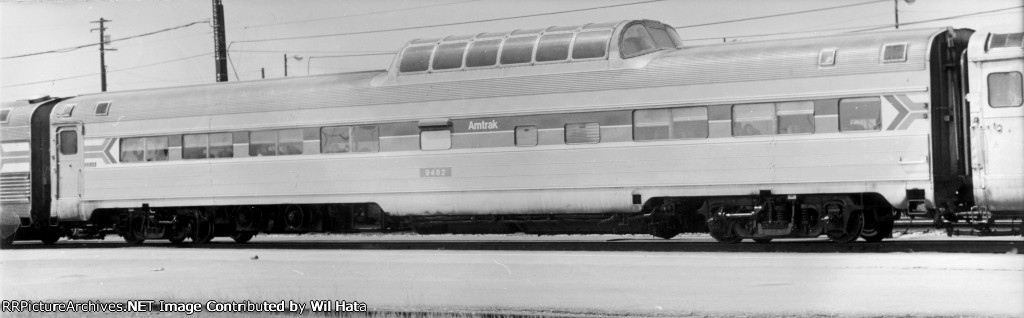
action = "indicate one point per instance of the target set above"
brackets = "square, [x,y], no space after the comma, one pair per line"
[4,114]
[661,38]
[335,139]
[449,56]
[582,133]
[342,139]
[526,136]
[263,143]
[518,50]
[68,142]
[144,149]
[689,122]
[590,45]
[651,124]
[416,58]
[483,53]
[195,146]
[670,123]
[863,113]
[366,138]
[554,47]
[203,146]
[795,117]
[289,142]
[133,149]
[222,145]
[1005,89]
[156,149]
[436,140]
[753,119]
[635,41]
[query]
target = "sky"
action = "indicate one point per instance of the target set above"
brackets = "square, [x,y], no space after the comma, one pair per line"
[316,34]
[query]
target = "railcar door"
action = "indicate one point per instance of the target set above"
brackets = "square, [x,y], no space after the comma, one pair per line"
[999,129]
[68,145]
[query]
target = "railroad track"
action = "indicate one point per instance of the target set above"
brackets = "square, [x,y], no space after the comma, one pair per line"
[615,245]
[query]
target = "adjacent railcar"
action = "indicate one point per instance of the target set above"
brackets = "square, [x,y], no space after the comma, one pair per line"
[601,128]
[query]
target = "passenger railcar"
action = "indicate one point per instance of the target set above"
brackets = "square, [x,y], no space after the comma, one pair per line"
[600,128]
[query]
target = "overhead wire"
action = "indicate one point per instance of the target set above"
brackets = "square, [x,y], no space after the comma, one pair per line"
[356,15]
[72,48]
[445,24]
[779,15]
[111,71]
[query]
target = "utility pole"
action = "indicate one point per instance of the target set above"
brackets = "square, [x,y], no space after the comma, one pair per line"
[262,74]
[220,50]
[103,64]
[286,65]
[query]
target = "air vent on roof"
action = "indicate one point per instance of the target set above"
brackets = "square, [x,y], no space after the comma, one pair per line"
[894,53]
[4,114]
[102,108]
[1008,40]
[827,57]
[66,112]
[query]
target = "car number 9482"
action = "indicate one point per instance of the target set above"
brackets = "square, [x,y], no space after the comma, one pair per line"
[435,172]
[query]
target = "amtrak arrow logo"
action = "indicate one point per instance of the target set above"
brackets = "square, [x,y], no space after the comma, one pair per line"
[908,111]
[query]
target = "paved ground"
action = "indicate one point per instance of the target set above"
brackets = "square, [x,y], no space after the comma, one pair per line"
[607,282]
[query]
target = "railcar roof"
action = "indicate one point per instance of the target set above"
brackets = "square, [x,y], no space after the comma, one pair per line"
[16,118]
[858,53]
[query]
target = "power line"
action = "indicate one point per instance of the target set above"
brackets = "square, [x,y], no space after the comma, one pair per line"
[778,15]
[356,15]
[944,18]
[69,49]
[113,70]
[860,28]
[295,51]
[446,24]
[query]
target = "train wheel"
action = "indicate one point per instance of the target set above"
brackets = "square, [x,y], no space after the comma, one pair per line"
[201,229]
[135,230]
[852,228]
[8,241]
[242,237]
[877,232]
[50,236]
[725,233]
[762,240]
[665,223]
[294,217]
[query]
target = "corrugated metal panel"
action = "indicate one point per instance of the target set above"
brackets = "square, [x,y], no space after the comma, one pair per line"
[15,187]
[760,61]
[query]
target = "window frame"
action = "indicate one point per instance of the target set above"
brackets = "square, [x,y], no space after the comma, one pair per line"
[535,140]
[587,125]
[903,58]
[497,51]
[1020,89]
[207,154]
[622,38]
[668,121]
[606,37]
[839,115]
[405,51]
[504,48]
[425,133]
[568,47]
[772,114]
[62,142]
[5,115]
[145,149]
[462,58]
[106,110]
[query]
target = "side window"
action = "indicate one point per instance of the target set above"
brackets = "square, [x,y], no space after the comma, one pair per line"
[689,122]
[156,148]
[366,138]
[142,149]
[661,38]
[483,53]
[590,45]
[4,114]
[518,50]
[635,41]
[526,136]
[582,133]
[335,139]
[416,58]
[133,149]
[651,124]
[436,139]
[289,142]
[263,143]
[1005,89]
[795,117]
[670,123]
[554,47]
[222,145]
[195,146]
[342,139]
[753,119]
[201,146]
[449,56]
[68,142]
[863,113]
